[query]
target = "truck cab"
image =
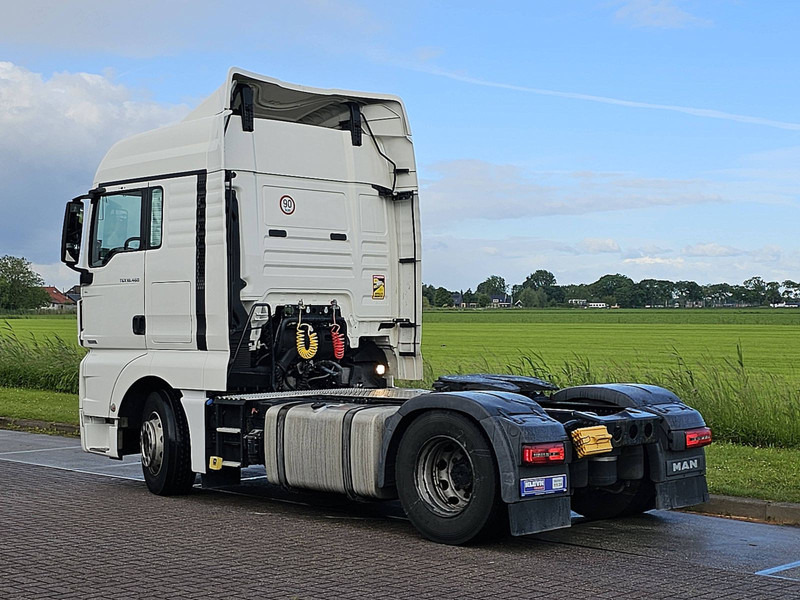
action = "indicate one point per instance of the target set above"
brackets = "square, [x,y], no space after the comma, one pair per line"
[203,235]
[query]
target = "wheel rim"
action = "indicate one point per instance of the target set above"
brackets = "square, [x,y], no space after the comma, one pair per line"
[444,476]
[152,443]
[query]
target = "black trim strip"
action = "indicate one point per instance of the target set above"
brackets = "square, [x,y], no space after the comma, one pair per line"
[277,233]
[415,196]
[200,262]
[347,469]
[341,237]
[404,261]
[153,177]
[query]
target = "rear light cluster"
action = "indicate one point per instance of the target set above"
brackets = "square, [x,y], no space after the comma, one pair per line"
[697,438]
[543,454]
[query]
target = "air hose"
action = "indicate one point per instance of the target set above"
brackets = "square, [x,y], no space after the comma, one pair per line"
[306,330]
[337,337]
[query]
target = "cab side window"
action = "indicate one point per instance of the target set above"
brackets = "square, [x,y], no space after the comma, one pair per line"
[125,222]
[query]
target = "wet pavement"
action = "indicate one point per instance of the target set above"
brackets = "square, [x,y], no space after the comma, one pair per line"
[78,525]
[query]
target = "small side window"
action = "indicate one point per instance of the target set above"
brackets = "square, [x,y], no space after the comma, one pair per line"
[156,216]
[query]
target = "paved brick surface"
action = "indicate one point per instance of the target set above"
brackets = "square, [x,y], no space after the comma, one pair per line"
[74,535]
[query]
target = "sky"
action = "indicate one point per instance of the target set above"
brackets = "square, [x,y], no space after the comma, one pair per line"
[653,138]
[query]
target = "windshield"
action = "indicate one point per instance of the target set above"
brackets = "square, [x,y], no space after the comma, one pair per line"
[116,226]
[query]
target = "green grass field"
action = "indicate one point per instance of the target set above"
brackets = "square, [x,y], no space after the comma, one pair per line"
[38,327]
[640,340]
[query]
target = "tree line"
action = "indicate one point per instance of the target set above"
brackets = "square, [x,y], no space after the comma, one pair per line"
[540,290]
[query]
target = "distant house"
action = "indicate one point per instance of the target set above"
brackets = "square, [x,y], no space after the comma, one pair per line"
[500,301]
[787,304]
[74,293]
[58,301]
[577,301]
[597,305]
[458,300]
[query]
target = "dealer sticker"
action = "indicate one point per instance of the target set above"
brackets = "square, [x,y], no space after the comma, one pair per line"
[539,486]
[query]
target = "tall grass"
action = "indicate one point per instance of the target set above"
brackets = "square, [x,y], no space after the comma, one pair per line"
[43,363]
[741,405]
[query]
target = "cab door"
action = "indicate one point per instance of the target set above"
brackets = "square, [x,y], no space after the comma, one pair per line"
[113,304]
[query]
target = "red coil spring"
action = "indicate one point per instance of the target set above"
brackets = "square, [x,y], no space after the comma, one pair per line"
[338,342]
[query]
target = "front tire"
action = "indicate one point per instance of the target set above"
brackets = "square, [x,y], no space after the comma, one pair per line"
[164,442]
[447,480]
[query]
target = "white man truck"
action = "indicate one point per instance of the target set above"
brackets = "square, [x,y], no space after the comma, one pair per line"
[250,290]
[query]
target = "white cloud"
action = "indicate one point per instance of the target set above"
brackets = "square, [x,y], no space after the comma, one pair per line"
[770,254]
[648,250]
[711,249]
[598,245]
[70,117]
[654,260]
[662,14]
[475,189]
[55,130]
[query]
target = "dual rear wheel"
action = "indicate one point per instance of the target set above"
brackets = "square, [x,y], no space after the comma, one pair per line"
[448,481]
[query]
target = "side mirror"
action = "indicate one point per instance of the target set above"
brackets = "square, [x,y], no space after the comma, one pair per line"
[72,233]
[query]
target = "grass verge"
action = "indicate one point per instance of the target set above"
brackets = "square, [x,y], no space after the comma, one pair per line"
[20,403]
[43,363]
[766,473]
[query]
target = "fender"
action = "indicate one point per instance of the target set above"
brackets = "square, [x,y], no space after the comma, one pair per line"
[674,487]
[507,419]
[650,398]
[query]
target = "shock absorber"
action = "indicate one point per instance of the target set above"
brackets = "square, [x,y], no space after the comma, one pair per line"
[337,337]
[305,330]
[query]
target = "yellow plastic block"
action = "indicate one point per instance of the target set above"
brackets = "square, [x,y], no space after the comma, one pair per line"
[591,440]
[215,463]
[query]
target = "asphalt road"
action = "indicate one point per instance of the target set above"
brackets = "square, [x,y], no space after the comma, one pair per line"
[74,525]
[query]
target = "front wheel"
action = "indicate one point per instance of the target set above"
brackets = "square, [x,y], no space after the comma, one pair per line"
[447,480]
[164,441]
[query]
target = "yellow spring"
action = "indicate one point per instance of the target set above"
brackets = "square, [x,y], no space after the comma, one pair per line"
[313,341]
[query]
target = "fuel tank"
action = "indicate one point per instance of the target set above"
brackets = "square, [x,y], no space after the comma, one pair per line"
[326,447]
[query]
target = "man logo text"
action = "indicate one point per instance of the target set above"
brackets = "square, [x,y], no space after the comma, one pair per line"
[685,465]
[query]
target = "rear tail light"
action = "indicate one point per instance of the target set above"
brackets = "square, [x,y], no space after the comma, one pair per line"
[543,454]
[697,438]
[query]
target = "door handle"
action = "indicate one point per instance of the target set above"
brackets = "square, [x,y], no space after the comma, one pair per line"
[138,325]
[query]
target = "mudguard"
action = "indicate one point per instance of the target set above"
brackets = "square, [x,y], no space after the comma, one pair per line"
[678,474]
[509,420]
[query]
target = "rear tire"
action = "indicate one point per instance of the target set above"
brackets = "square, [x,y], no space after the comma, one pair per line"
[597,503]
[447,480]
[164,442]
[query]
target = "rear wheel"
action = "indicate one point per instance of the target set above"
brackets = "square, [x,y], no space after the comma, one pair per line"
[164,441]
[448,481]
[625,499]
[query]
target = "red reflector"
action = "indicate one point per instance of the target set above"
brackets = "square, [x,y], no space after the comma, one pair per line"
[542,454]
[697,438]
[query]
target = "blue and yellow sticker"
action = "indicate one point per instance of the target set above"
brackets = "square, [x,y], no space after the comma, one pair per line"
[378,287]
[539,486]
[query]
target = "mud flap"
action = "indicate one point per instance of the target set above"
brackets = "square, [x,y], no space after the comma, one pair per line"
[541,514]
[678,493]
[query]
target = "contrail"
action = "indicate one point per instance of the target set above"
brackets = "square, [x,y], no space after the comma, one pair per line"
[697,112]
